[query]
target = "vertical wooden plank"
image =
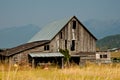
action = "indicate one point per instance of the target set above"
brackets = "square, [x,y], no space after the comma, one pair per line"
[69,36]
[81,39]
[63,30]
[9,60]
[62,66]
[90,43]
[66,32]
[84,40]
[94,45]
[33,63]
[87,42]
[77,37]
[79,61]
[77,31]
[69,31]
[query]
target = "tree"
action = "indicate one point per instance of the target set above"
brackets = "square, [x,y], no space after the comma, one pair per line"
[66,56]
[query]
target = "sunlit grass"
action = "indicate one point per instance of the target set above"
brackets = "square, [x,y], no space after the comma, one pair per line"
[87,72]
[115,54]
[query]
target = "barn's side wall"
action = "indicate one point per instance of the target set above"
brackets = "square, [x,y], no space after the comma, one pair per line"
[22,57]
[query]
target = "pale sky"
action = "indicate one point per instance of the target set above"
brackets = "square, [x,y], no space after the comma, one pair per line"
[41,12]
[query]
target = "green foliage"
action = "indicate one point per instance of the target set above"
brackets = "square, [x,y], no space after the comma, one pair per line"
[109,42]
[66,55]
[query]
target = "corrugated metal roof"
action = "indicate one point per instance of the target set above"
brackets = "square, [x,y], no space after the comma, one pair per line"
[46,55]
[50,30]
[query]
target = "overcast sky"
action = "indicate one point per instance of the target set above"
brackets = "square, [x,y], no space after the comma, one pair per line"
[41,12]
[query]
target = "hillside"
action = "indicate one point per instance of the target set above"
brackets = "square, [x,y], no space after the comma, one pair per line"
[109,42]
[14,36]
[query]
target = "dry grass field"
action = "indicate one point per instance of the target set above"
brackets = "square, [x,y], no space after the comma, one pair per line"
[88,72]
[115,54]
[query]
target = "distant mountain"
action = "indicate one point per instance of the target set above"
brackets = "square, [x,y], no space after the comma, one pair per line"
[109,42]
[14,36]
[103,28]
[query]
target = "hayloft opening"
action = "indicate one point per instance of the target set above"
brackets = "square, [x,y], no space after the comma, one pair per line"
[74,24]
[73,45]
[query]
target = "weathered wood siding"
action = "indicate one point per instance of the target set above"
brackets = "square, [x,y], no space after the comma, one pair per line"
[84,42]
[22,57]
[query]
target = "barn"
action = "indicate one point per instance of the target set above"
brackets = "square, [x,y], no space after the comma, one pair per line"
[68,33]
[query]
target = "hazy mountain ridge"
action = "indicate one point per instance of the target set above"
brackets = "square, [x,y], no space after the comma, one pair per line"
[107,32]
[109,42]
[14,36]
[103,28]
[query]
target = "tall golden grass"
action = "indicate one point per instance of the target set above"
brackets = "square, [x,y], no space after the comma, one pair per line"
[87,72]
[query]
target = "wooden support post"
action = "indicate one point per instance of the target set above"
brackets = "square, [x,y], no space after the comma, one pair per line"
[62,66]
[6,60]
[33,63]
[0,59]
[79,61]
[10,60]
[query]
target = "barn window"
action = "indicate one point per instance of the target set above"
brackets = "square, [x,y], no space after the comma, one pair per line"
[100,56]
[65,44]
[104,56]
[46,47]
[61,35]
[73,45]
[74,24]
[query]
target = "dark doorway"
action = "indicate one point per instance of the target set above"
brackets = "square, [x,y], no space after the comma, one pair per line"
[75,60]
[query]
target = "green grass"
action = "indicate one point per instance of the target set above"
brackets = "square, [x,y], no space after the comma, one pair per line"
[88,72]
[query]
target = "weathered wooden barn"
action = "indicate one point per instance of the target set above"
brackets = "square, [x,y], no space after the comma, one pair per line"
[68,33]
